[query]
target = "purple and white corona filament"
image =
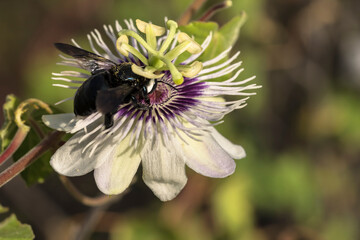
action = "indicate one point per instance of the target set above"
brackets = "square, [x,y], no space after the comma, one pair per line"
[177,127]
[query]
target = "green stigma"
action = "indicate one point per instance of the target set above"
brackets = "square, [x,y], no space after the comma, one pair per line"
[159,59]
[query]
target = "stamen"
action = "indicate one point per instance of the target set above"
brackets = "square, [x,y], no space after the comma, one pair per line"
[138,38]
[156,58]
[194,47]
[176,75]
[156,30]
[204,45]
[142,72]
[172,25]
[126,48]
[192,70]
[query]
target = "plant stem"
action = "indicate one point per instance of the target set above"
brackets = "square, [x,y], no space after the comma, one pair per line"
[210,12]
[14,145]
[189,12]
[34,125]
[88,201]
[50,141]
[94,217]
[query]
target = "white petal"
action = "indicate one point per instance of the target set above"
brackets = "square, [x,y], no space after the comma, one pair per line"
[71,160]
[163,169]
[208,157]
[61,122]
[68,122]
[235,151]
[117,172]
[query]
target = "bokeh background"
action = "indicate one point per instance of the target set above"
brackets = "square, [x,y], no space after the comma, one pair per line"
[300,179]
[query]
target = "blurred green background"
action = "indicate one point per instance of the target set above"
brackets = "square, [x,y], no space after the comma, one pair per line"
[300,179]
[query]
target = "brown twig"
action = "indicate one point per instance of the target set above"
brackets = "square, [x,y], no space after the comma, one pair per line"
[189,12]
[88,201]
[14,145]
[50,141]
[217,7]
[94,217]
[34,125]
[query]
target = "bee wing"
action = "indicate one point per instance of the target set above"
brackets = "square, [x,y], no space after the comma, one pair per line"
[108,100]
[87,60]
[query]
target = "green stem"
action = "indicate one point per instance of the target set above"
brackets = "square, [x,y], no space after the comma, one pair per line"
[176,75]
[135,52]
[173,26]
[178,50]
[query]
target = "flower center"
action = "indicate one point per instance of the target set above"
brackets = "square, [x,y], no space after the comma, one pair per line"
[162,93]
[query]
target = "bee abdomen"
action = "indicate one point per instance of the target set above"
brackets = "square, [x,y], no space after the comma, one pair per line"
[85,97]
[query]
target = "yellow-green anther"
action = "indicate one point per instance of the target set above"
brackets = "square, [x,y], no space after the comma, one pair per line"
[141,25]
[194,47]
[172,25]
[119,45]
[191,70]
[139,39]
[228,3]
[151,31]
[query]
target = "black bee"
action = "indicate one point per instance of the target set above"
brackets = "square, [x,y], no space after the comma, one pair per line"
[109,85]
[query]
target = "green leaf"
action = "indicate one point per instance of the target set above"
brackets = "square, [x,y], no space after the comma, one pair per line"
[8,130]
[40,169]
[230,31]
[199,30]
[30,112]
[12,229]
[224,38]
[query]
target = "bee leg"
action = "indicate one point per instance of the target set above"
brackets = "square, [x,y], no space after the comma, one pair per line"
[134,100]
[144,95]
[109,121]
[136,103]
